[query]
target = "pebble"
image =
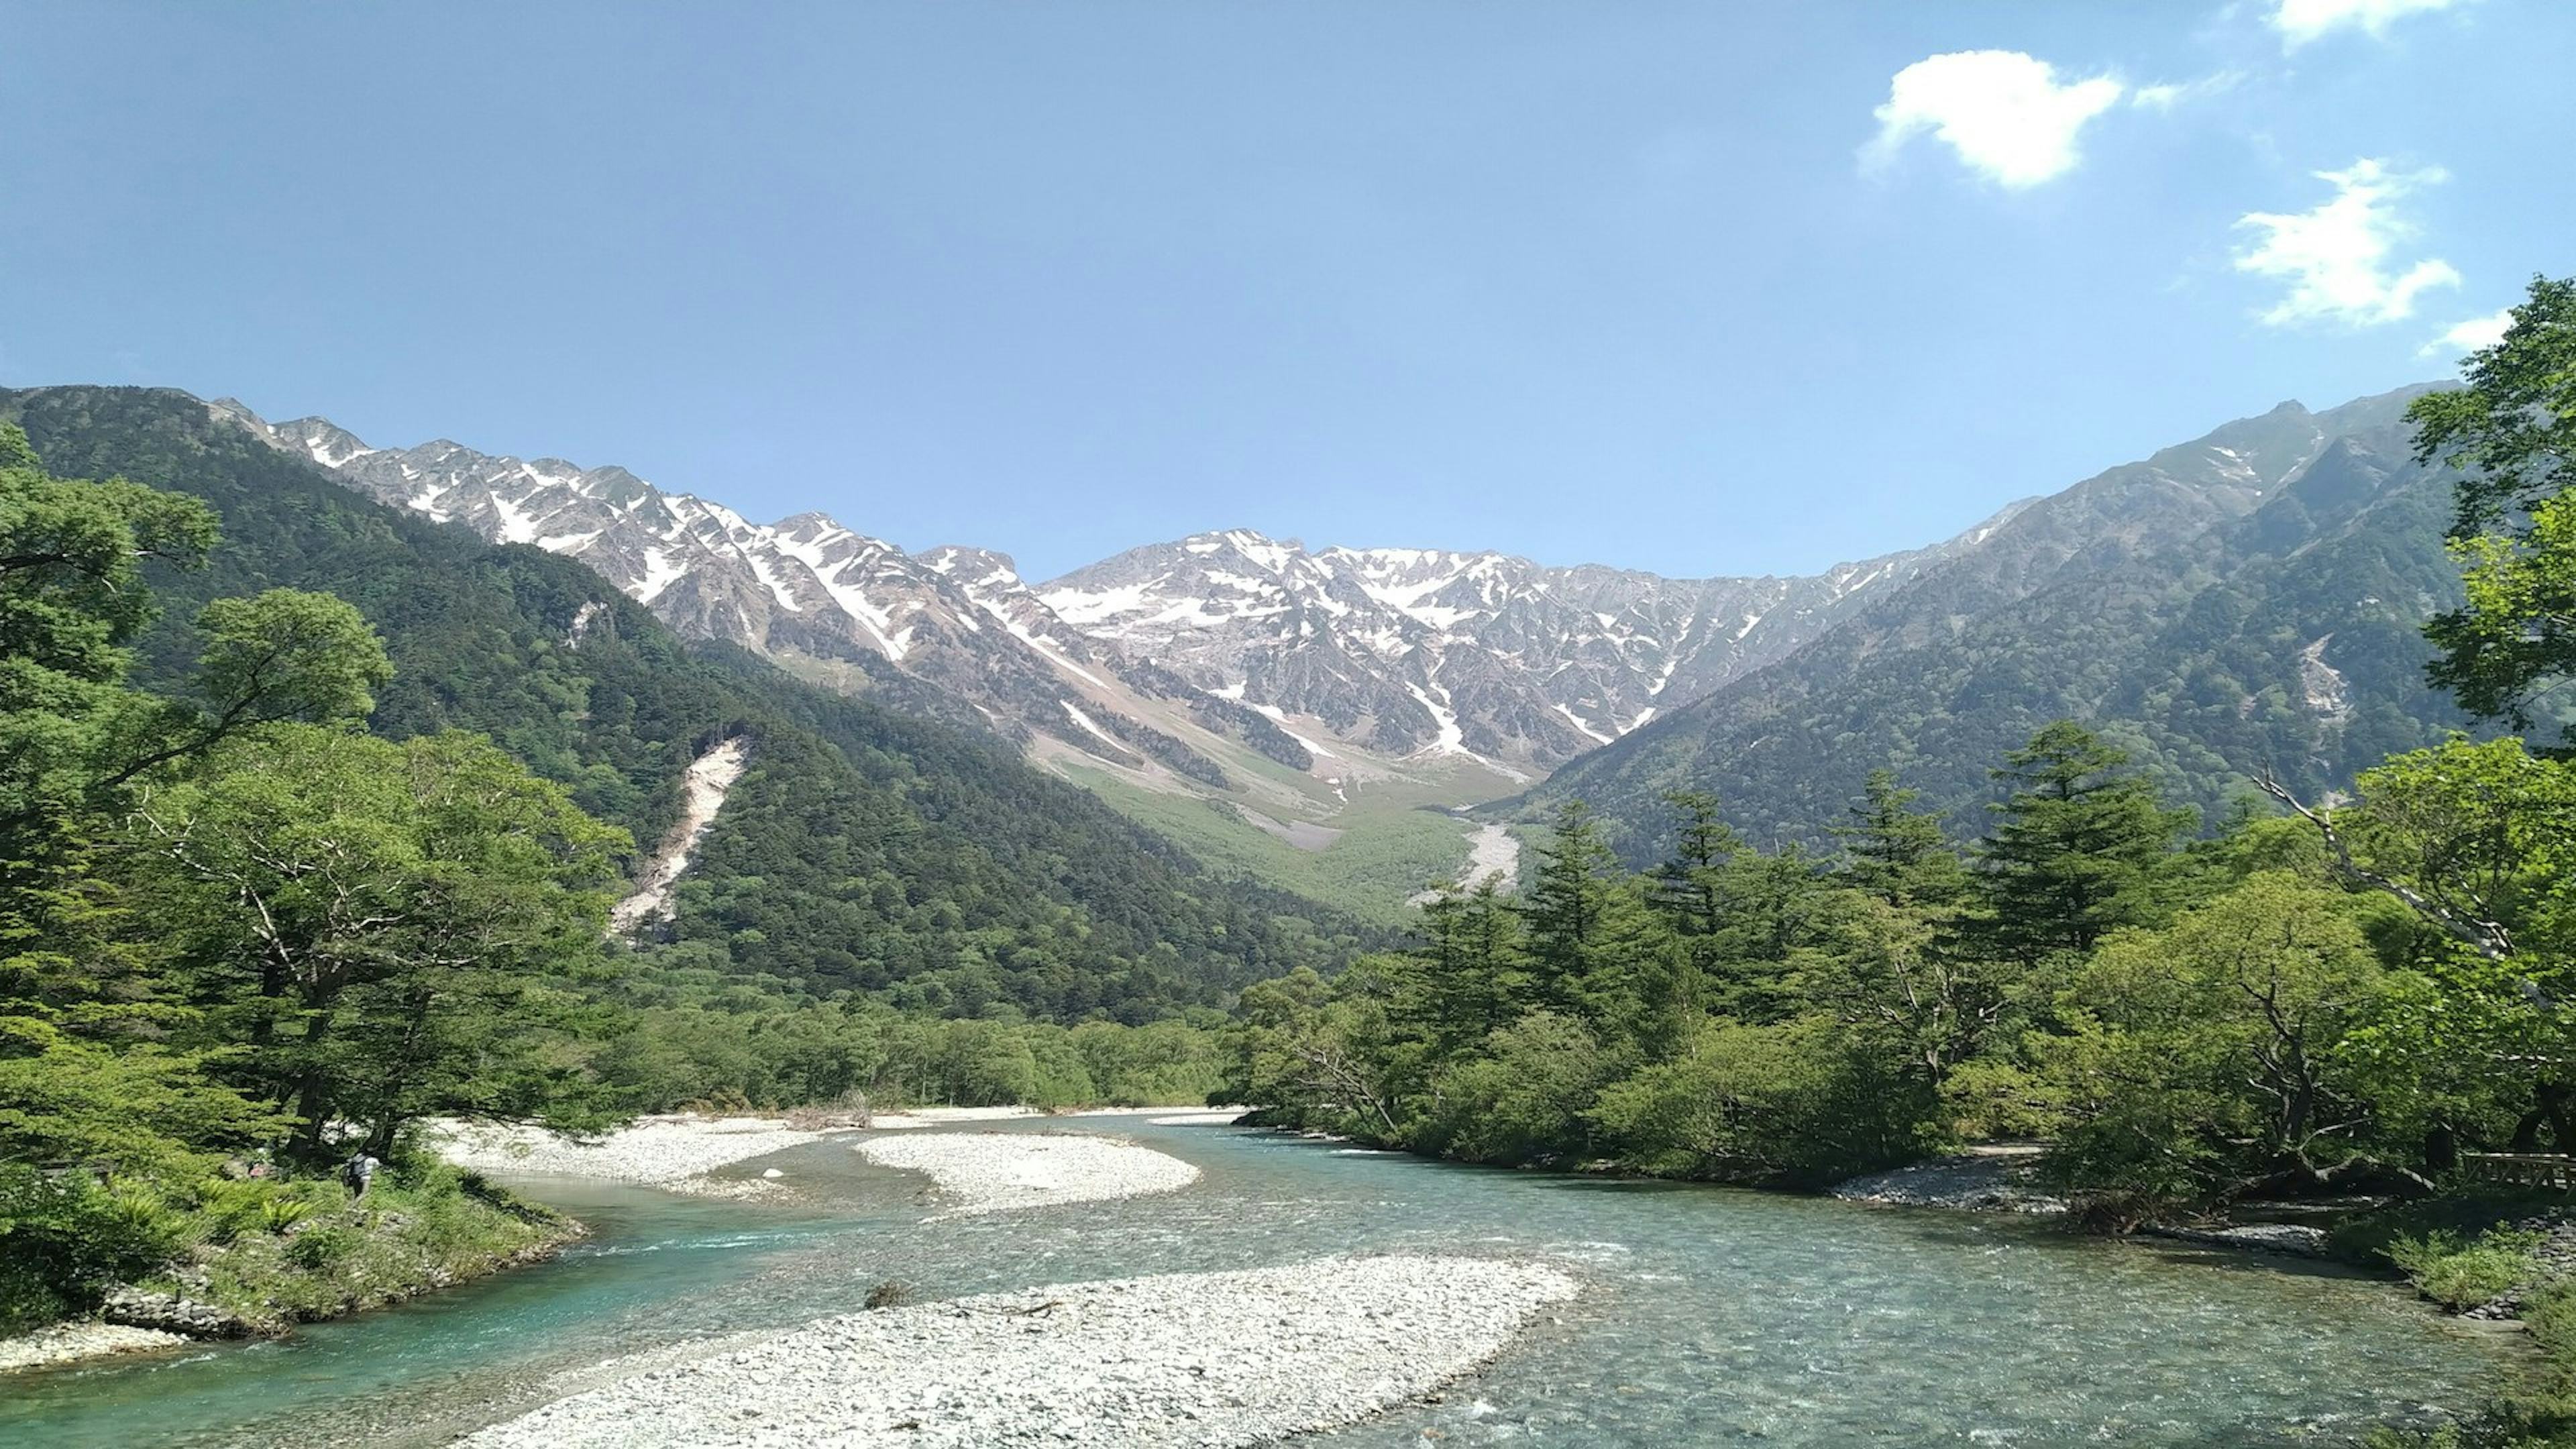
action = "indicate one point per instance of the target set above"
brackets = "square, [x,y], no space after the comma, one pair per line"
[1198,1359]
[1990,1181]
[70,1342]
[654,1150]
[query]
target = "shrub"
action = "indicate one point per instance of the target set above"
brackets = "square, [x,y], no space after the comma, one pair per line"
[1523,1102]
[226,1209]
[1798,1102]
[2463,1274]
[319,1250]
[65,1240]
[2464,1212]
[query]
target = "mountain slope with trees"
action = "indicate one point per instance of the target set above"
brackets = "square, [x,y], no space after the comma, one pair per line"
[865,849]
[2218,633]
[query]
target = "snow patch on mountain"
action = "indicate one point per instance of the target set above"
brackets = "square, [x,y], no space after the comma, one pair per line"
[1392,652]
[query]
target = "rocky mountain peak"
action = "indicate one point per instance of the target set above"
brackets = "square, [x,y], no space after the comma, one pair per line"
[1153,658]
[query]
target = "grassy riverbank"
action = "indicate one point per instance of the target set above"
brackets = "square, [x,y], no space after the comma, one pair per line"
[2492,1254]
[224,1257]
[430,1226]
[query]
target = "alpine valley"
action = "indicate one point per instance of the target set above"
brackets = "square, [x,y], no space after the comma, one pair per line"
[1320,716]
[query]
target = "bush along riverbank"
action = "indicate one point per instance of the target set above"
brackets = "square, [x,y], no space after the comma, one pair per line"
[2500,1255]
[234,1257]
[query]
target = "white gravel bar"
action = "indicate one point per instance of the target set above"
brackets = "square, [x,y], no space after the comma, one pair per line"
[1198,1359]
[73,1342]
[657,1150]
[937,1116]
[989,1172]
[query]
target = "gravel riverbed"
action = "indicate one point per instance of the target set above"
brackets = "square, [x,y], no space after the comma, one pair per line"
[1996,1179]
[1199,1359]
[71,1342]
[985,1172]
[655,1150]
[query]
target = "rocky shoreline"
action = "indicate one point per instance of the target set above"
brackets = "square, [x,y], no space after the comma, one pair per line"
[1200,1359]
[73,1342]
[1996,1179]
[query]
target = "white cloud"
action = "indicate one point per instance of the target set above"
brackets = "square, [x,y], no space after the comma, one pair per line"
[2336,258]
[2004,113]
[2470,335]
[2301,21]
[2166,96]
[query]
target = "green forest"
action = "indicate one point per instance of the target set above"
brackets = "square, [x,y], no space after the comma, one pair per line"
[286,871]
[2298,1001]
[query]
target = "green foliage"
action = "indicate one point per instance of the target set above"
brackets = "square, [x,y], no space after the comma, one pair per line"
[1581,919]
[310,1251]
[390,931]
[137,1107]
[2513,432]
[2461,1212]
[1520,1098]
[2200,1058]
[2186,1024]
[228,920]
[1801,1103]
[2463,1274]
[230,1207]
[744,1050]
[1736,1014]
[66,1239]
[2080,846]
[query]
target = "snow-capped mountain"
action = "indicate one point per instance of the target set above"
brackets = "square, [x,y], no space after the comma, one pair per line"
[1405,650]
[1172,660]
[804,589]
[1146,659]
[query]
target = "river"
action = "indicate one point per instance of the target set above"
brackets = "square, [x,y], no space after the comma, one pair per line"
[1709,1316]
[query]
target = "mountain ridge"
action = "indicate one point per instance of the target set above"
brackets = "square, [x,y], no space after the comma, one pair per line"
[1280,681]
[858,608]
[864,848]
[2260,628]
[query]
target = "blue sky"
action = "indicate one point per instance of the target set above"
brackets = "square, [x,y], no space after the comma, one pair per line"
[1692,288]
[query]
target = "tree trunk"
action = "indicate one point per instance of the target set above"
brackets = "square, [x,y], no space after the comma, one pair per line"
[312,1101]
[2526,1133]
[2441,1148]
[2558,1104]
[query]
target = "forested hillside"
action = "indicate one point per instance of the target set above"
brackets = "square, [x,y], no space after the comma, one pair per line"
[2216,630]
[864,849]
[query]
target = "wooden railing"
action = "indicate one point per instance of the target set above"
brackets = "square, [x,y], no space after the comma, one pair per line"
[2528,1169]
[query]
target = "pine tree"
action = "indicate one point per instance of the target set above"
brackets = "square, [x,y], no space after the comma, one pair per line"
[2079,849]
[1581,917]
[1685,885]
[1470,963]
[1897,853]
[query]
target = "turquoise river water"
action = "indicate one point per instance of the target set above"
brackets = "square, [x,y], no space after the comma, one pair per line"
[1709,1316]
